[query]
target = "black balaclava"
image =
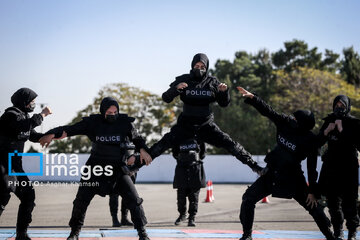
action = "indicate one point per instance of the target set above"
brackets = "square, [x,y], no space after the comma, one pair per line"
[305,119]
[200,57]
[104,106]
[22,97]
[342,112]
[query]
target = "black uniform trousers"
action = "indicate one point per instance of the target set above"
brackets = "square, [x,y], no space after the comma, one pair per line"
[114,202]
[342,204]
[125,187]
[24,191]
[262,187]
[209,133]
[193,195]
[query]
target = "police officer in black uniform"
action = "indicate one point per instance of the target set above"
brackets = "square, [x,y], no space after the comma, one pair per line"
[114,208]
[110,132]
[283,176]
[339,173]
[198,90]
[16,127]
[189,177]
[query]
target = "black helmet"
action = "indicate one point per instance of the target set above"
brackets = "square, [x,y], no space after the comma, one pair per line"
[22,97]
[344,100]
[106,103]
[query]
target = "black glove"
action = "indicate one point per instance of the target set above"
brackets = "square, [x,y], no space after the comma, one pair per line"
[138,164]
[132,169]
[256,168]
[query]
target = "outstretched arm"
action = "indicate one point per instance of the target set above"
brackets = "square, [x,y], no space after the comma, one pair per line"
[20,124]
[35,136]
[312,177]
[311,169]
[79,128]
[262,107]
[223,95]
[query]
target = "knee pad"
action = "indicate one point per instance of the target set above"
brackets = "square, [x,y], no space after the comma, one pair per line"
[139,201]
[248,203]
[27,195]
[133,204]
[80,203]
[4,200]
[318,213]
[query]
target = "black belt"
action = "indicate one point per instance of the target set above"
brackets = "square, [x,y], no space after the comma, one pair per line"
[199,111]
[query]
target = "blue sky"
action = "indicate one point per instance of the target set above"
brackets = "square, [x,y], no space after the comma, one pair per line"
[67,50]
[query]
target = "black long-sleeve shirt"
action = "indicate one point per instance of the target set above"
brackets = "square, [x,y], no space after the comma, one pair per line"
[341,157]
[293,144]
[16,127]
[198,95]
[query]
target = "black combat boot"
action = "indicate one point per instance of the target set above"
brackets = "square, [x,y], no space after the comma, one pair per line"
[142,234]
[115,221]
[22,235]
[352,234]
[180,219]
[191,222]
[246,235]
[74,234]
[124,220]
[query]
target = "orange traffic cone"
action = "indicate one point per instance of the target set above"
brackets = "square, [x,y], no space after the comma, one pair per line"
[209,192]
[265,200]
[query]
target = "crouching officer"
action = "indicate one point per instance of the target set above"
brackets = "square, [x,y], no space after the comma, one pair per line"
[283,176]
[16,127]
[189,178]
[107,131]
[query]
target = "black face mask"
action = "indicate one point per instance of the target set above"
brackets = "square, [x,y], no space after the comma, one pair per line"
[339,112]
[31,107]
[199,73]
[111,118]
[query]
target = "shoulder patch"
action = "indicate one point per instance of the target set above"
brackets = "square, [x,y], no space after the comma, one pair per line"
[13,110]
[92,117]
[125,117]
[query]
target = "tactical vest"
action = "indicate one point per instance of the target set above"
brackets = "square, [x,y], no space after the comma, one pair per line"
[189,153]
[110,140]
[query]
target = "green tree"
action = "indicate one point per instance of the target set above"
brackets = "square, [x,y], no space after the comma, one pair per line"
[297,54]
[253,72]
[312,89]
[330,63]
[351,66]
[280,79]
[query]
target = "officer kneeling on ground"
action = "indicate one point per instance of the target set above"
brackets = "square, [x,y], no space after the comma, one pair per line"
[283,176]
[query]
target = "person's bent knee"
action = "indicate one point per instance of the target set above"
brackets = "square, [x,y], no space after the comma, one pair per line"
[28,195]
